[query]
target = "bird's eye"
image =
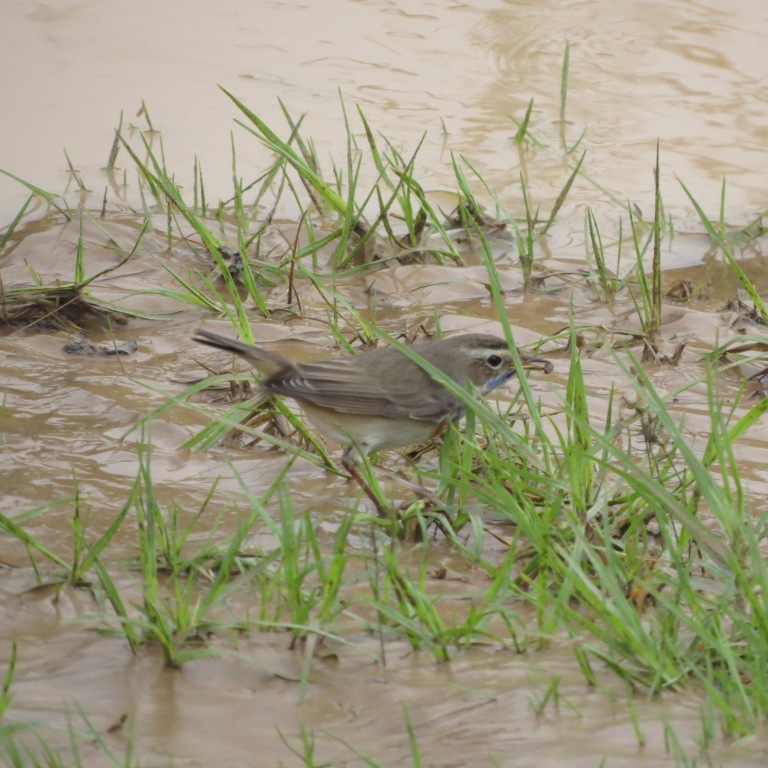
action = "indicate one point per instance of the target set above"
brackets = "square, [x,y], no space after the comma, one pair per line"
[494,361]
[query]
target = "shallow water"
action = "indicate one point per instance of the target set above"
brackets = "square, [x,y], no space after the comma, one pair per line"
[639,71]
[686,74]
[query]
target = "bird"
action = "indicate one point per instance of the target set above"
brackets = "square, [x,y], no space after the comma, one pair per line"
[381,399]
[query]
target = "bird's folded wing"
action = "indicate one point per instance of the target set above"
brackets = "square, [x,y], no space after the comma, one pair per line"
[348,389]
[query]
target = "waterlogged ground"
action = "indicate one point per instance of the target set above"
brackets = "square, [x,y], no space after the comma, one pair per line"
[637,75]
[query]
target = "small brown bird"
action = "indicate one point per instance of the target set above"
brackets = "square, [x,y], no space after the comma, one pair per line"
[381,399]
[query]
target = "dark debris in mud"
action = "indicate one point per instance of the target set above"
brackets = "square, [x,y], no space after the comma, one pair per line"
[81,345]
[54,308]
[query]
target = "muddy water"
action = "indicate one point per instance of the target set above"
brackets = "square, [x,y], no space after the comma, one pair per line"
[682,73]
[687,74]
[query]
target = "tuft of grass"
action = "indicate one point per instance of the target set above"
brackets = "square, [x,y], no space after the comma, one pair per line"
[719,238]
[84,554]
[32,746]
[64,304]
[179,592]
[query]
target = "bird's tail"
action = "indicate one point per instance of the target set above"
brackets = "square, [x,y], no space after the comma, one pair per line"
[267,362]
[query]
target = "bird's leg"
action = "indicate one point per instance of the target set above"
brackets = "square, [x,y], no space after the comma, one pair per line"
[348,462]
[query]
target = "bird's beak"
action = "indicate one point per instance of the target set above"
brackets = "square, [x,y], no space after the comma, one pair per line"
[537,364]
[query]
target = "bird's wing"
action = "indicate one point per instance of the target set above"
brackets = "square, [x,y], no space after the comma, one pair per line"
[343,386]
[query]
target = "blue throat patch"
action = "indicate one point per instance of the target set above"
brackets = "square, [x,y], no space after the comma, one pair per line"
[500,379]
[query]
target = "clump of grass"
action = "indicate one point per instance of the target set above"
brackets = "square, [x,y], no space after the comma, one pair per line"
[720,239]
[624,535]
[64,304]
[180,591]
[655,568]
[85,549]
[305,751]
[33,746]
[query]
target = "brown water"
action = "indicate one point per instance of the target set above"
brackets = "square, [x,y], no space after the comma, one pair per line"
[683,73]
